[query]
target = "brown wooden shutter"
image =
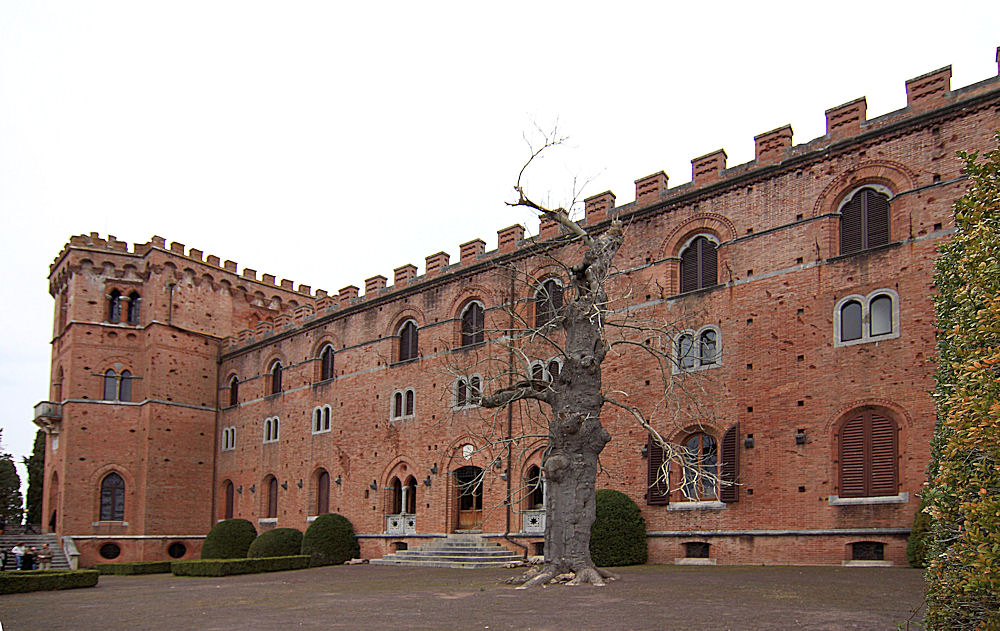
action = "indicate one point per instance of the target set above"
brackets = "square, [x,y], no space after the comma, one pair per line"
[657,488]
[709,264]
[851,226]
[729,491]
[852,457]
[689,268]
[883,456]
[876,218]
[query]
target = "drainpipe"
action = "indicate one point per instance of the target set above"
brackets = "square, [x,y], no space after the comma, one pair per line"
[510,417]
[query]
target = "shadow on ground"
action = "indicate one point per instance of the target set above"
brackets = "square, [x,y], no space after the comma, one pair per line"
[416,599]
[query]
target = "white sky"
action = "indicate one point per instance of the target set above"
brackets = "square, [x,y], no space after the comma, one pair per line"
[328,142]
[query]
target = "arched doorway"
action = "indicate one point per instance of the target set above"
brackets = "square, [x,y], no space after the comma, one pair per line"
[469,489]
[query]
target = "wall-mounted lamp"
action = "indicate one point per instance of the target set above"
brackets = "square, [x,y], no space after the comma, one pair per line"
[338,480]
[503,476]
[434,468]
[253,488]
[644,452]
[748,441]
[800,437]
[284,485]
[427,481]
[498,463]
[374,485]
[299,484]
[239,489]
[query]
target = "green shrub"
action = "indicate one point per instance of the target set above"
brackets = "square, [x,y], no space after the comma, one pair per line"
[229,539]
[330,540]
[230,567]
[618,536]
[141,567]
[280,542]
[44,580]
[920,533]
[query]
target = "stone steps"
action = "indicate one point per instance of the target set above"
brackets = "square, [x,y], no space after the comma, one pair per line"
[7,542]
[461,551]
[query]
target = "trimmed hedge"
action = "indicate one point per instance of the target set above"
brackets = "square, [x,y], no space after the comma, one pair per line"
[330,540]
[45,580]
[139,567]
[618,536]
[280,542]
[229,539]
[230,567]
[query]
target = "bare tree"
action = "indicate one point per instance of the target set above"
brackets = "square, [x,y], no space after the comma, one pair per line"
[582,326]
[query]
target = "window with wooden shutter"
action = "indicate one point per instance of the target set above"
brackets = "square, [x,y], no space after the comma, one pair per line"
[276,378]
[115,306]
[699,264]
[864,221]
[408,341]
[657,484]
[473,322]
[323,493]
[548,302]
[234,391]
[729,491]
[133,308]
[868,455]
[230,500]
[272,496]
[326,363]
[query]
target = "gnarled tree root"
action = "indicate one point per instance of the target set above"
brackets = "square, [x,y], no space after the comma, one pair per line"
[550,574]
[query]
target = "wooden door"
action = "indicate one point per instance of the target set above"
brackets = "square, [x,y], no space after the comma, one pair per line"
[469,486]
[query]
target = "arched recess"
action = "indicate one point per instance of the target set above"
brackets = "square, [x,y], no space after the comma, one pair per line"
[52,512]
[886,175]
[716,227]
[900,419]
[319,492]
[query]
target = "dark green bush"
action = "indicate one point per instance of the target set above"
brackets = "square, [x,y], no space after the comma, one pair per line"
[141,567]
[330,540]
[229,567]
[280,542]
[618,536]
[920,533]
[229,539]
[44,580]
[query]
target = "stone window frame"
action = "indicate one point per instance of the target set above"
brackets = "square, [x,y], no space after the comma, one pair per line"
[696,335]
[472,394]
[321,419]
[865,302]
[272,427]
[403,404]
[228,438]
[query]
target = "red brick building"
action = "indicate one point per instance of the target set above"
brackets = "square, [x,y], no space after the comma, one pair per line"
[798,291]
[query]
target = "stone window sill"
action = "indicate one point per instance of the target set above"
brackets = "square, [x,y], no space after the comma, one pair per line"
[836,500]
[711,505]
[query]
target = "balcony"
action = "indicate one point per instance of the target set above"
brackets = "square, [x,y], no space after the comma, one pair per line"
[48,416]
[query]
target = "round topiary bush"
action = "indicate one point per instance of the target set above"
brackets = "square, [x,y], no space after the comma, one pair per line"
[330,540]
[229,539]
[618,536]
[280,542]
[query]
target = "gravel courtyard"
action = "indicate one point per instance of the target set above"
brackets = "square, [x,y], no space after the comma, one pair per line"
[414,599]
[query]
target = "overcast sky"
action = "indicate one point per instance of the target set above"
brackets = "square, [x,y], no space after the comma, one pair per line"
[327,142]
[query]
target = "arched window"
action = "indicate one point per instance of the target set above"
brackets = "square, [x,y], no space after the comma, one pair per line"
[701,459]
[396,498]
[473,323]
[475,389]
[695,350]
[397,405]
[868,455]
[410,400]
[234,391]
[272,496]
[408,348]
[535,498]
[850,321]
[230,498]
[110,385]
[461,392]
[410,505]
[699,264]
[276,377]
[323,493]
[554,367]
[112,498]
[57,386]
[861,319]
[115,306]
[228,438]
[537,371]
[133,308]
[326,363]
[271,429]
[548,302]
[317,420]
[125,386]
[864,221]
[326,418]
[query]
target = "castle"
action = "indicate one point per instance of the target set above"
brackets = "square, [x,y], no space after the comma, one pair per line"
[185,390]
